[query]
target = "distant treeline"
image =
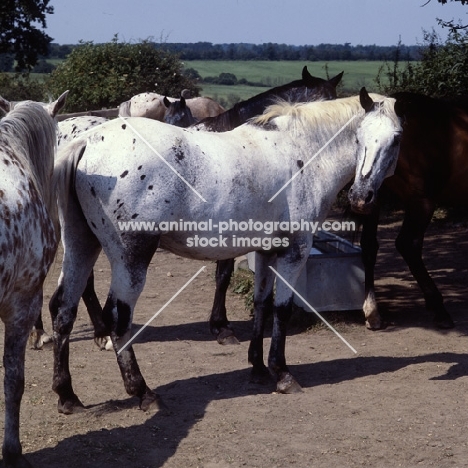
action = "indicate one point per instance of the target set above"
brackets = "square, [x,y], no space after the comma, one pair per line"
[241,51]
[270,51]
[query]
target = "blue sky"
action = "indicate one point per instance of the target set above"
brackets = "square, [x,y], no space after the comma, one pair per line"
[298,22]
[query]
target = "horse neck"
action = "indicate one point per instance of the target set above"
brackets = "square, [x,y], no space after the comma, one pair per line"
[221,123]
[256,105]
[332,156]
[295,91]
[337,162]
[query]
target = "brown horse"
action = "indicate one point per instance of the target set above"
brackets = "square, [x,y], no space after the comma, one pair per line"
[151,105]
[432,168]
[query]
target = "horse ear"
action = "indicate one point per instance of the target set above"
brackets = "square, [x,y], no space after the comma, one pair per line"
[186,93]
[166,101]
[308,79]
[5,105]
[56,106]
[366,101]
[336,79]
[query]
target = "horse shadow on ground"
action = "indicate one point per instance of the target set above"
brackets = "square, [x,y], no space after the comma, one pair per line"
[153,443]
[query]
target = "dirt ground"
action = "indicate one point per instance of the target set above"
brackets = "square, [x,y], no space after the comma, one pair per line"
[401,401]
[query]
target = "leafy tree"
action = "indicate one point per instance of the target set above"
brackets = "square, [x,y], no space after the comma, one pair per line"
[6,62]
[441,72]
[21,87]
[192,74]
[19,33]
[104,75]
[227,79]
[44,67]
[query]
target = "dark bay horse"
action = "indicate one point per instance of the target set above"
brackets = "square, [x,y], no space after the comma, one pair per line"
[432,168]
[309,88]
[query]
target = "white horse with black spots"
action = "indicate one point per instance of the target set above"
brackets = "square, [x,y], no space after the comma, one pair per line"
[28,242]
[68,130]
[143,170]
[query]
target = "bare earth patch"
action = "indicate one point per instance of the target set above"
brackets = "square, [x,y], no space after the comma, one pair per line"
[401,401]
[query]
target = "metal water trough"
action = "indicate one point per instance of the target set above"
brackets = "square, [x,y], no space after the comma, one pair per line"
[333,278]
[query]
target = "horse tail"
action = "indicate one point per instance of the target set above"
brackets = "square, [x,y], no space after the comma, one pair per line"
[63,181]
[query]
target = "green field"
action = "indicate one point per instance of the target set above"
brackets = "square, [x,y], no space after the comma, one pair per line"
[275,73]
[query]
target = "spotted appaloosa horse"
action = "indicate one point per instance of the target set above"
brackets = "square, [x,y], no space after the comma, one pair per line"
[73,127]
[112,177]
[308,88]
[29,237]
[68,130]
[151,105]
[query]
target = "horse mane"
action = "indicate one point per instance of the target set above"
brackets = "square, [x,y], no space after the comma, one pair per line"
[320,114]
[31,133]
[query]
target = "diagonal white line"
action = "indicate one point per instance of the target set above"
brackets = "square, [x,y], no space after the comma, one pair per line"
[161,309]
[314,311]
[160,157]
[312,158]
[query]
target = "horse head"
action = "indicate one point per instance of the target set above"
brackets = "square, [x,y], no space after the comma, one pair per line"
[326,88]
[178,113]
[378,144]
[52,108]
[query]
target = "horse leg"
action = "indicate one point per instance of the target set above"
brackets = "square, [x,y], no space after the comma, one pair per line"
[81,250]
[290,264]
[63,307]
[369,249]
[410,243]
[17,329]
[128,279]
[263,303]
[219,324]
[39,337]
[93,306]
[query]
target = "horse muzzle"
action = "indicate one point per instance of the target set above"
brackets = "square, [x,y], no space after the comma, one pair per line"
[362,200]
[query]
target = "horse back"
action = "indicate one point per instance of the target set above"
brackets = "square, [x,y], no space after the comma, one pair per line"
[433,159]
[203,107]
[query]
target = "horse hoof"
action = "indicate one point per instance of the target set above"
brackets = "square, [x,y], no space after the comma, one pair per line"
[374,325]
[151,401]
[444,322]
[260,375]
[72,406]
[16,462]
[287,384]
[38,338]
[227,337]
[103,343]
